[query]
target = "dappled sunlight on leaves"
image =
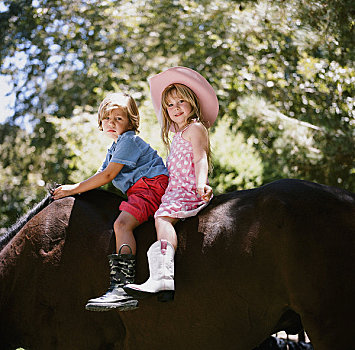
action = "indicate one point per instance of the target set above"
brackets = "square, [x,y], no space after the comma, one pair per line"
[236,163]
[282,70]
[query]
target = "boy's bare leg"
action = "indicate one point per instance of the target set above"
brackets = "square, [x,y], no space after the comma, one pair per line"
[122,267]
[124,226]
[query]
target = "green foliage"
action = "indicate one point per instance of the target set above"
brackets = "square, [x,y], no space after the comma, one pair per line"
[283,72]
[27,165]
[236,164]
[287,146]
[88,147]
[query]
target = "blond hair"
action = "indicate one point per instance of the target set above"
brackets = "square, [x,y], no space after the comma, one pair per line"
[119,100]
[186,94]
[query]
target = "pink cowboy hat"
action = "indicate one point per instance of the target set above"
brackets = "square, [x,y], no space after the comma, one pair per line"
[195,81]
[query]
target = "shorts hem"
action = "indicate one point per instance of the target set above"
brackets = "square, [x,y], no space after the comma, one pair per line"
[133,211]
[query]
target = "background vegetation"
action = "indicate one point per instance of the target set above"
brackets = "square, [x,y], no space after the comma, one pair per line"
[283,72]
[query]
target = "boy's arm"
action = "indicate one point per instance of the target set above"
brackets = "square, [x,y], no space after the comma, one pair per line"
[97,180]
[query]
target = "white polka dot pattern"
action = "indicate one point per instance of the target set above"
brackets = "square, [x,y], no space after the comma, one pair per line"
[180,199]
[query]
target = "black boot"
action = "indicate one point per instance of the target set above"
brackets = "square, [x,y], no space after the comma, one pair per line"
[122,272]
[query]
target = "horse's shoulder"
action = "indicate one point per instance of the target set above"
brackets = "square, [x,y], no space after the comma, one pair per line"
[97,200]
[98,195]
[60,212]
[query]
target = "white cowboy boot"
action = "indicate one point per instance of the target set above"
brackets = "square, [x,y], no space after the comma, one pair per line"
[161,269]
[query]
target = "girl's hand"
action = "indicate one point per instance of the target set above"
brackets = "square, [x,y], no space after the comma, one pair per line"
[205,192]
[64,191]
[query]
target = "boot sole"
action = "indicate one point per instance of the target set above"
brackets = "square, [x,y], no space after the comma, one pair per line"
[162,296]
[127,306]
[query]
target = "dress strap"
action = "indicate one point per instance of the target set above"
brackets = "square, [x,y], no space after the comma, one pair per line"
[188,125]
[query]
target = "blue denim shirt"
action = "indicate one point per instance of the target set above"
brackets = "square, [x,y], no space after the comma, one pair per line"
[138,158]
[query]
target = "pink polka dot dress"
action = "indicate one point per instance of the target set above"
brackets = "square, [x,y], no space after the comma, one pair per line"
[181,199]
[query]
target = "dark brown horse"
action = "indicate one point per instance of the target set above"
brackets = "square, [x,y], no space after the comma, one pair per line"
[246,267]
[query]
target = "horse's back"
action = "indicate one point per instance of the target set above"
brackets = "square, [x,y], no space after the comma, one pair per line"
[286,245]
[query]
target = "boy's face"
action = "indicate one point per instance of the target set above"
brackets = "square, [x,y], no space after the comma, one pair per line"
[116,123]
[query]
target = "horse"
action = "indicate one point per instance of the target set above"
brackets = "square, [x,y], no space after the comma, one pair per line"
[251,263]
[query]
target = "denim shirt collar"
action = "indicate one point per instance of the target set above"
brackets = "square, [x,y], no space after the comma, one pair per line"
[129,132]
[114,143]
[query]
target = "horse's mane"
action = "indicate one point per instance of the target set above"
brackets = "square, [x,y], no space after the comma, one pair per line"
[15,228]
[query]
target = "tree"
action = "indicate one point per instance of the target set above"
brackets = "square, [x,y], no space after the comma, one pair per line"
[284,80]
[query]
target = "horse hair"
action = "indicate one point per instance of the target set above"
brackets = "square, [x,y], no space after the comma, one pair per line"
[16,227]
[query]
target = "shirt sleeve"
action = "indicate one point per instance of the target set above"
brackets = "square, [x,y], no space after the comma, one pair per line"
[104,164]
[127,152]
[99,170]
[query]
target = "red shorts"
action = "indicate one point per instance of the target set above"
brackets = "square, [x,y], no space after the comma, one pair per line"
[144,197]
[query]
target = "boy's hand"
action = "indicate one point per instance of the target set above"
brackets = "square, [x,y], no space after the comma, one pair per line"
[64,191]
[205,192]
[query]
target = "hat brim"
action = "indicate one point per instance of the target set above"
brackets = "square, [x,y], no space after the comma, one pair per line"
[195,81]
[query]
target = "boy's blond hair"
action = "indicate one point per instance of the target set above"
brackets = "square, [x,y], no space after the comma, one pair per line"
[185,93]
[119,100]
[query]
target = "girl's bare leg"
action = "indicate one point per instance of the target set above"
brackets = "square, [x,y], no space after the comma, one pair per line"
[161,263]
[165,229]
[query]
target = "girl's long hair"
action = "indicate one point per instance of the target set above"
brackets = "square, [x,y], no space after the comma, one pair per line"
[186,94]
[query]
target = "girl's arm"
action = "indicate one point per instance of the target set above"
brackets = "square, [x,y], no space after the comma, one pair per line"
[198,136]
[97,180]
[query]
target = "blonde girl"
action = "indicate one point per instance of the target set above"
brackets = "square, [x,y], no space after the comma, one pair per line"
[185,104]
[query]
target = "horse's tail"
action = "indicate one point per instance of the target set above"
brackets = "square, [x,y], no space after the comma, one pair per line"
[15,228]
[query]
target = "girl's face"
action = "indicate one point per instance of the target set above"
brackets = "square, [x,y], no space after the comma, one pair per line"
[178,109]
[116,123]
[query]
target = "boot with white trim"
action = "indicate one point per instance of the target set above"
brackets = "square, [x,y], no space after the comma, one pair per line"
[122,272]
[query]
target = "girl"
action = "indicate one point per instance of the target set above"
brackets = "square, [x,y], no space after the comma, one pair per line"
[186,104]
[136,169]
